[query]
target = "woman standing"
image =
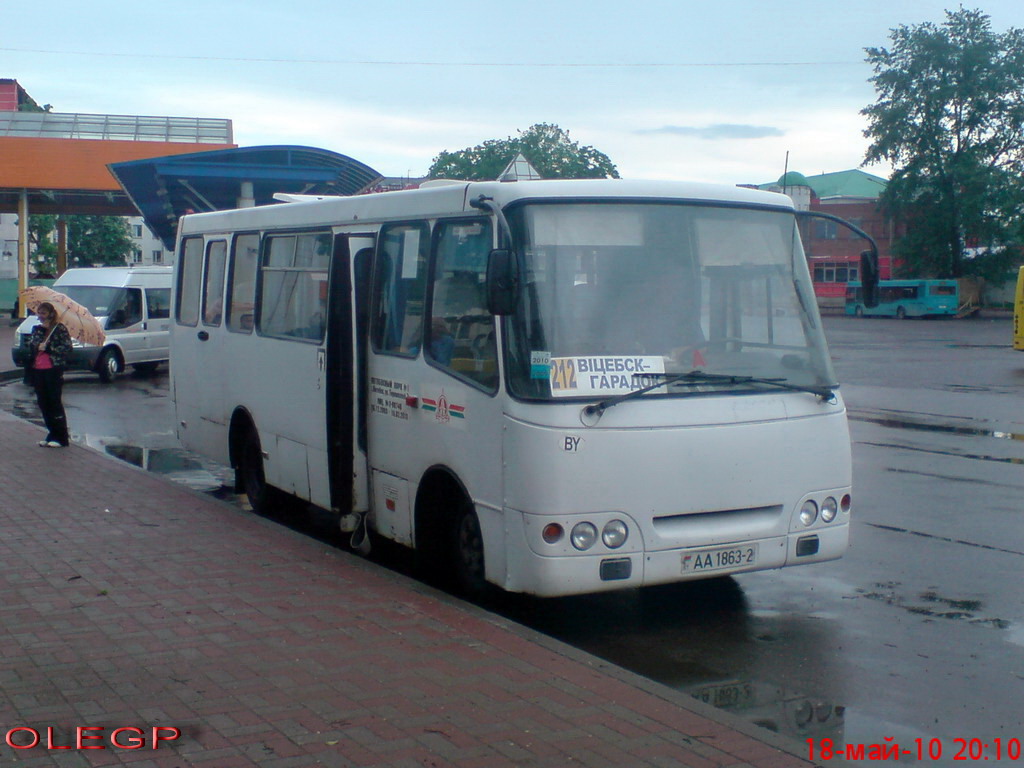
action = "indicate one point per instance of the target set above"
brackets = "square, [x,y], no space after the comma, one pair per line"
[50,346]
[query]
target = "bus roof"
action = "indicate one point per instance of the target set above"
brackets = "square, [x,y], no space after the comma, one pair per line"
[452,197]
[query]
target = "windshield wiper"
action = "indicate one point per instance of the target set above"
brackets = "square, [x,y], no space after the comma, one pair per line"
[700,377]
[596,409]
[696,378]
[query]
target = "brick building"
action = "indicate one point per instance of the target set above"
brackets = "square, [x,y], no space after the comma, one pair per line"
[833,252]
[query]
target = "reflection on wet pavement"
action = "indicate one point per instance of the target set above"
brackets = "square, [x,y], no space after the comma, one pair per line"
[775,708]
[174,463]
[700,638]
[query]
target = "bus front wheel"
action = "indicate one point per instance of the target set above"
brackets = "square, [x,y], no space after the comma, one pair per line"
[859,311]
[469,552]
[251,469]
[901,313]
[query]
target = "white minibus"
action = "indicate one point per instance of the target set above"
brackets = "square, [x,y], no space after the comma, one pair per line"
[553,387]
[133,305]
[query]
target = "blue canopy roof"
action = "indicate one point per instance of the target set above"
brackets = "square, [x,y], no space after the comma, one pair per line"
[166,188]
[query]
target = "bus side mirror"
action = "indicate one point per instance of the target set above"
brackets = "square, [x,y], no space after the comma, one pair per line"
[502,282]
[869,277]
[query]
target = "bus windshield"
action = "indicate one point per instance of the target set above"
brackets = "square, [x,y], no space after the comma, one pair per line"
[616,294]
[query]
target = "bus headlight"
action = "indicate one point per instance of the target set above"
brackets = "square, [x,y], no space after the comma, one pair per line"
[808,512]
[583,536]
[829,510]
[614,534]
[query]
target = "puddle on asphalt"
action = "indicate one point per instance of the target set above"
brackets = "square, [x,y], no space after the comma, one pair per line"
[948,539]
[950,429]
[174,463]
[955,454]
[932,605]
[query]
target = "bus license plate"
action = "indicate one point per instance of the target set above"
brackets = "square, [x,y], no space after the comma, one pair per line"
[704,560]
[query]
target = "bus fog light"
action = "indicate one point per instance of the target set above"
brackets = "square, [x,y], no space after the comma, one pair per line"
[584,536]
[552,533]
[614,534]
[808,512]
[829,510]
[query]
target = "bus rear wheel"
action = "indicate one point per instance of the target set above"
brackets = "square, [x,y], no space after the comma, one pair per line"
[901,313]
[859,311]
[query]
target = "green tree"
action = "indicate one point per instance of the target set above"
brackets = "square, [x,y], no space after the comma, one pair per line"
[93,241]
[97,241]
[949,117]
[548,148]
[41,234]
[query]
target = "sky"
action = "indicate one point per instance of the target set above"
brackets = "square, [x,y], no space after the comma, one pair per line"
[725,91]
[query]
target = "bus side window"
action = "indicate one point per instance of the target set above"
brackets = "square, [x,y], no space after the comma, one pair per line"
[242,283]
[213,282]
[293,295]
[190,273]
[461,331]
[399,284]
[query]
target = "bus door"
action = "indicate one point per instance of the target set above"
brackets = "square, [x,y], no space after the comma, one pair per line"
[346,440]
[394,371]
[292,309]
[432,368]
[208,358]
[197,366]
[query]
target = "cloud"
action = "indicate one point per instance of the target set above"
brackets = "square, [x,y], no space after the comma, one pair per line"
[716,131]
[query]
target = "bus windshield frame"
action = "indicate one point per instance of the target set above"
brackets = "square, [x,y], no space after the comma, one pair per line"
[616,293]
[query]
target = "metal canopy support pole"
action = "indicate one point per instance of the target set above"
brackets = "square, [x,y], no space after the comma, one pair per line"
[246,195]
[22,247]
[62,245]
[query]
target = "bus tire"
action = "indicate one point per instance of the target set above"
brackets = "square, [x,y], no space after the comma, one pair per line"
[901,313]
[469,552]
[109,365]
[859,312]
[250,466]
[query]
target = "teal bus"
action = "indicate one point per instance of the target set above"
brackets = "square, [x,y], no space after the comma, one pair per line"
[906,298]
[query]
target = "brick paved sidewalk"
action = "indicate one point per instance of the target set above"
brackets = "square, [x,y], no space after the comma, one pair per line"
[129,601]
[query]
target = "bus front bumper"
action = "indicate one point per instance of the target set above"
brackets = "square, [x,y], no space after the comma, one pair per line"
[584,573]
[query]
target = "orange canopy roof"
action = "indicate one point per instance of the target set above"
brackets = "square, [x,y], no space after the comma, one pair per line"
[79,164]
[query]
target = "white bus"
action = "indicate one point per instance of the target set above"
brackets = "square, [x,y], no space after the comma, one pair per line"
[554,387]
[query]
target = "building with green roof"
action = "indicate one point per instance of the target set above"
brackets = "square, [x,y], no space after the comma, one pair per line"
[852,184]
[833,252]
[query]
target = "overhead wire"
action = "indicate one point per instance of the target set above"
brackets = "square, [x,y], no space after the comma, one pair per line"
[422,63]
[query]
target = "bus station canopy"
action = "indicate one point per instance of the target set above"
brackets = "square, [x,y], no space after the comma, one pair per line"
[57,162]
[166,188]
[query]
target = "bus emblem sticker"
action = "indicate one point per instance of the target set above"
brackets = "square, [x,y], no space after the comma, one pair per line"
[444,411]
